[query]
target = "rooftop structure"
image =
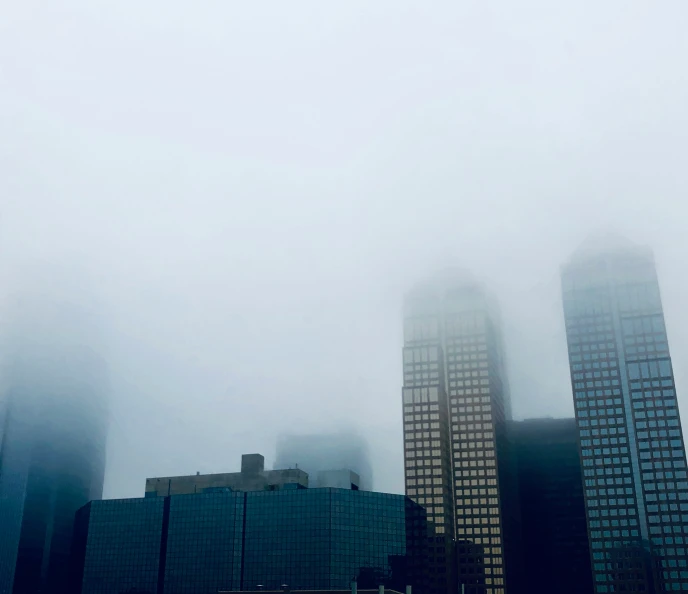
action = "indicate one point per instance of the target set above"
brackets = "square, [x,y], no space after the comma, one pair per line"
[253,477]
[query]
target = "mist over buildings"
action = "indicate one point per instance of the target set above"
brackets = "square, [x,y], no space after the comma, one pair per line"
[251,190]
[53,424]
[344,449]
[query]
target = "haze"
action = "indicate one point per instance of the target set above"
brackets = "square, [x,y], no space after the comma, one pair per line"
[250,188]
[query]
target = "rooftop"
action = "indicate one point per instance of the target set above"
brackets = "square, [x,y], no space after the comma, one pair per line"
[252,477]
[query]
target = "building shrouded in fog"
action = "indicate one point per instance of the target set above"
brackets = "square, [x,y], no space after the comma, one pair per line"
[555,536]
[326,451]
[52,448]
[632,448]
[455,407]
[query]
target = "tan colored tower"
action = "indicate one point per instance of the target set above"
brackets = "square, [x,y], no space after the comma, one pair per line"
[456,402]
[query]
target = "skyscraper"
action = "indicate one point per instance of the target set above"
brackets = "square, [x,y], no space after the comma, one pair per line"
[632,448]
[555,536]
[52,453]
[456,404]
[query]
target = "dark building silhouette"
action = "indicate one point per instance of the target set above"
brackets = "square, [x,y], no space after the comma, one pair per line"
[308,539]
[631,442]
[326,451]
[52,450]
[556,553]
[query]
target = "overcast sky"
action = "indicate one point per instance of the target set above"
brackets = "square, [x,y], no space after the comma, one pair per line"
[251,187]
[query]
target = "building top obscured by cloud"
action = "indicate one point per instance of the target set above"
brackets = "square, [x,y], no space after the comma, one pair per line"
[326,451]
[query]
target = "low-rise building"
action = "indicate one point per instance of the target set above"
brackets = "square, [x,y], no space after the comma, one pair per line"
[219,538]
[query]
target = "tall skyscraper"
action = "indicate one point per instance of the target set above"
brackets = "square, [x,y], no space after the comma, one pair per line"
[555,535]
[456,404]
[632,448]
[52,453]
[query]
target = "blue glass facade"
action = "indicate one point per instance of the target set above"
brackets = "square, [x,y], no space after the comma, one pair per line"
[305,538]
[204,543]
[123,545]
[632,449]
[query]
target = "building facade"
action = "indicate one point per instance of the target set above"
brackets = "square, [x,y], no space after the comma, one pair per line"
[305,539]
[632,448]
[556,554]
[52,451]
[455,407]
[253,477]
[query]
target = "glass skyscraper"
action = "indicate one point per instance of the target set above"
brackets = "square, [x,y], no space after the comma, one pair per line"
[52,448]
[632,448]
[455,407]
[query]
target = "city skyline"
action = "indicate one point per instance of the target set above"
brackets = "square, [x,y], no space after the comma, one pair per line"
[456,405]
[254,189]
[388,475]
[412,250]
[633,457]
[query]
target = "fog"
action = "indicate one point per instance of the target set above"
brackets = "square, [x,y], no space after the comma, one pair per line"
[343,449]
[250,188]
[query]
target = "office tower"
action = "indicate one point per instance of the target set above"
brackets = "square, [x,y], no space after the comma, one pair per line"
[226,539]
[326,451]
[632,449]
[456,403]
[554,530]
[52,453]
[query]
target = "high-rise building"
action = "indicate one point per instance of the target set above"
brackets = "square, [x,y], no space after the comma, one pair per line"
[556,554]
[52,452]
[455,407]
[632,448]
